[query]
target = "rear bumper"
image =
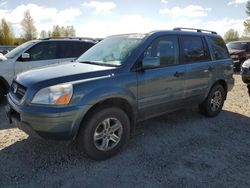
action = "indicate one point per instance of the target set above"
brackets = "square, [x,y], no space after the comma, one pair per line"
[47,122]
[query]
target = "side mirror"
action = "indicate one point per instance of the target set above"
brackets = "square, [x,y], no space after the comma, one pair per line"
[150,63]
[25,57]
[2,57]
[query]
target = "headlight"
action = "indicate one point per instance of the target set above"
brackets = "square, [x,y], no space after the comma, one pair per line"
[54,95]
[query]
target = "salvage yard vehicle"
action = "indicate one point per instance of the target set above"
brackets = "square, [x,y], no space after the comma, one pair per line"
[122,80]
[239,52]
[245,74]
[38,53]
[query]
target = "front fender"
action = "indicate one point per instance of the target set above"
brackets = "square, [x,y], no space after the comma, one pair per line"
[104,93]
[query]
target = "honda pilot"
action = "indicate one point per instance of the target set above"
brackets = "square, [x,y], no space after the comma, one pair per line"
[123,80]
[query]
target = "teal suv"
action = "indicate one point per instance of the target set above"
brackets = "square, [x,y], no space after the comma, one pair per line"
[122,80]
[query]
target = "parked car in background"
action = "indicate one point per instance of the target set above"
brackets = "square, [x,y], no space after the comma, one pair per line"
[239,52]
[38,53]
[122,80]
[245,74]
[6,49]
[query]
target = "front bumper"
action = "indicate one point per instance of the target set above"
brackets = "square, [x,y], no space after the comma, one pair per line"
[245,75]
[47,122]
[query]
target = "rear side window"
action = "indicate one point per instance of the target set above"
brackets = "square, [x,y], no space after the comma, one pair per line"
[194,49]
[219,48]
[43,51]
[70,49]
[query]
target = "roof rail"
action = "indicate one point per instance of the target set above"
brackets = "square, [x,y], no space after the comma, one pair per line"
[193,29]
[73,38]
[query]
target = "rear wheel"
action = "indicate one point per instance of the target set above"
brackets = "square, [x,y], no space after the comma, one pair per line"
[214,102]
[104,133]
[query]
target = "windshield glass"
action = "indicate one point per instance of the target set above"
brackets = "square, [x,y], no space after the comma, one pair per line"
[237,45]
[18,49]
[112,51]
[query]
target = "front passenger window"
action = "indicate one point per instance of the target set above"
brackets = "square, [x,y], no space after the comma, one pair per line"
[43,51]
[164,51]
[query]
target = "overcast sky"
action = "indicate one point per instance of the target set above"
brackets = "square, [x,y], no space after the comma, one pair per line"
[102,18]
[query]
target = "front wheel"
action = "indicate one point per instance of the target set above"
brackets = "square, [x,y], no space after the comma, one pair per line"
[214,102]
[104,133]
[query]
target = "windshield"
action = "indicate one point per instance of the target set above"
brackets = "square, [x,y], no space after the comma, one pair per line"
[112,51]
[18,49]
[237,45]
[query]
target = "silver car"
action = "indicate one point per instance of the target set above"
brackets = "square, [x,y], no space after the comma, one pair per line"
[38,53]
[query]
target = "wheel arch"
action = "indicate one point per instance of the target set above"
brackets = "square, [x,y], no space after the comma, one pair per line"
[117,102]
[4,84]
[223,83]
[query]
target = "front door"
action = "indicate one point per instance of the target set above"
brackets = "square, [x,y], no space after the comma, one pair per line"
[42,54]
[161,88]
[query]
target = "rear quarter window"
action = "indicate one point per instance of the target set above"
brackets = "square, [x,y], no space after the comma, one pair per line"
[219,48]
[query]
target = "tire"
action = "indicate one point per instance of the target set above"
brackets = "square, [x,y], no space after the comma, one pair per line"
[108,141]
[1,94]
[214,102]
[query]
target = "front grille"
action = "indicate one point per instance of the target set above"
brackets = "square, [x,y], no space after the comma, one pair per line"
[18,90]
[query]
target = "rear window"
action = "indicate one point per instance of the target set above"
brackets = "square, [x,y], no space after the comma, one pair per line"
[70,49]
[219,48]
[194,49]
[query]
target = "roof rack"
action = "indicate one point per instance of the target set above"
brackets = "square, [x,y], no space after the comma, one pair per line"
[74,38]
[193,29]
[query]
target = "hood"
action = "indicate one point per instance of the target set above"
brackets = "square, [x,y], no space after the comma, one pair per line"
[2,57]
[62,73]
[235,51]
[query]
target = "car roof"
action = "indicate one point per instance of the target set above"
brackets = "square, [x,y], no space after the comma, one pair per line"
[179,31]
[239,41]
[79,39]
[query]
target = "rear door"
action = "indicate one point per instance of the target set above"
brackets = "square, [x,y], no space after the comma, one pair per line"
[200,69]
[71,50]
[161,89]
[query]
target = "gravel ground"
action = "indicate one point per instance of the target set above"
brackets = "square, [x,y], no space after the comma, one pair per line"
[182,149]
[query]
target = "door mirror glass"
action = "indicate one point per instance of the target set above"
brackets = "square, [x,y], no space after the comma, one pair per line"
[150,62]
[25,56]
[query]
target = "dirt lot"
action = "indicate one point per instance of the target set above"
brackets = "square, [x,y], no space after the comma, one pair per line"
[183,149]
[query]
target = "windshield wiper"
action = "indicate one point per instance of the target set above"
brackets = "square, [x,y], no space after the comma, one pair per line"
[97,63]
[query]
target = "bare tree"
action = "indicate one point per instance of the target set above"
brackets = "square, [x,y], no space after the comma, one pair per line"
[28,26]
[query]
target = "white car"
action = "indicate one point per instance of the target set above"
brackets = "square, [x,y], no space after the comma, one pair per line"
[38,53]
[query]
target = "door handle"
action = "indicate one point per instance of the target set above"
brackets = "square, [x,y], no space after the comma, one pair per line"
[209,69]
[178,74]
